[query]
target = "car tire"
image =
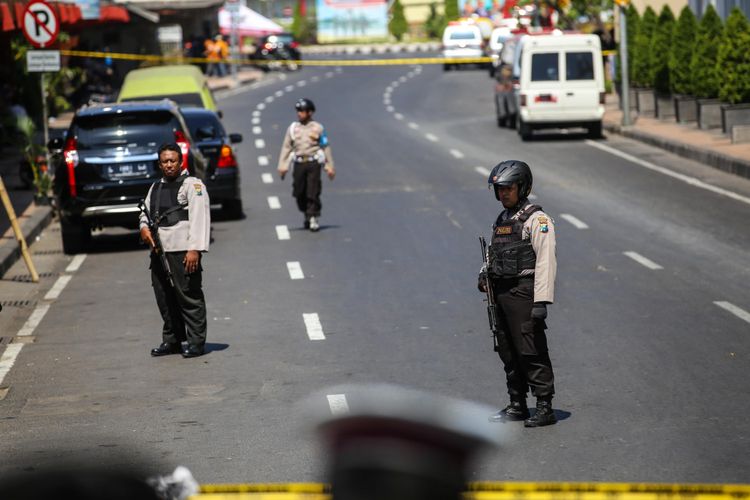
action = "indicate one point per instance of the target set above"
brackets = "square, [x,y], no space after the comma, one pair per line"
[446,67]
[75,237]
[595,130]
[233,209]
[524,130]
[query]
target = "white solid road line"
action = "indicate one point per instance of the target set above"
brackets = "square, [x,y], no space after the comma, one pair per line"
[338,404]
[737,311]
[643,260]
[413,126]
[75,264]
[431,137]
[257,130]
[58,287]
[260,143]
[33,321]
[685,178]
[274,203]
[398,116]
[282,232]
[313,326]
[457,154]
[484,171]
[263,161]
[267,178]
[575,221]
[8,359]
[295,270]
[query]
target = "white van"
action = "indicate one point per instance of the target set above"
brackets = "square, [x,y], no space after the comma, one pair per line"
[462,41]
[561,83]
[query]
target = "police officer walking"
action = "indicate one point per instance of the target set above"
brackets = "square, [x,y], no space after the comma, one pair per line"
[179,204]
[521,271]
[306,148]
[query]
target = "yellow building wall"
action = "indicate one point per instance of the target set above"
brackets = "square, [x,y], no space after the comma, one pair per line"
[657,5]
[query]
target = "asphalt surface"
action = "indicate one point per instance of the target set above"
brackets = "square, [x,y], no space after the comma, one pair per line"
[651,374]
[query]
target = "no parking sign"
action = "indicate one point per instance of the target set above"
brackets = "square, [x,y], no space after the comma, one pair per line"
[40,24]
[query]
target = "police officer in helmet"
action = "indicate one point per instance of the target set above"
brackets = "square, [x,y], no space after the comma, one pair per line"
[521,270]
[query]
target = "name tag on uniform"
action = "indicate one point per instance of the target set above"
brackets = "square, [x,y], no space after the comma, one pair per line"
[504,230]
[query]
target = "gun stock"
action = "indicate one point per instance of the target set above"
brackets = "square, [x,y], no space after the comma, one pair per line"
[158,249]
[492,313]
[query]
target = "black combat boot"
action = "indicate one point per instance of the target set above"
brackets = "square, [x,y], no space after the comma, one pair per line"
[544,415]
[516,410]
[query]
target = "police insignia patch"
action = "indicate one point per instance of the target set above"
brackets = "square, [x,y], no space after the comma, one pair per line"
[504,230]
[544,228]
[198,189]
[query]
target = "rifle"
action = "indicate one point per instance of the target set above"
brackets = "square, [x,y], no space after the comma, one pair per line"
[492,311]
[158,249]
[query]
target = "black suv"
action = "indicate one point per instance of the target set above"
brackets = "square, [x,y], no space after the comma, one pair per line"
[107,161]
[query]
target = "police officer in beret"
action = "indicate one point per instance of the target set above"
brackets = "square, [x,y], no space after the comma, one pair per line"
[521,271]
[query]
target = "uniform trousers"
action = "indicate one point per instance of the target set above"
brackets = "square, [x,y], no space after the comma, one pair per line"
[183,308]
[521,341]
[307,187]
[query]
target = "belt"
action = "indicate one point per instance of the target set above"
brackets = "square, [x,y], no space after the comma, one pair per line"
[305,159]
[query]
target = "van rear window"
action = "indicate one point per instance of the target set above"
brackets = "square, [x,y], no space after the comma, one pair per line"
[544,67]
[579,66]
[463,35]
[135,129]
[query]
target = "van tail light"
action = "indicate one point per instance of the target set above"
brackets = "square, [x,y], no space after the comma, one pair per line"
[294,45]
[70,154]
[515,83]
[226,157]
[545,98]
[602,97]
[267,46]
[184,144]
[523,100]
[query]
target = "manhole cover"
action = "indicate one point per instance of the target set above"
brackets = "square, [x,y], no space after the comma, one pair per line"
[26,278]
[18,303]
[48,252]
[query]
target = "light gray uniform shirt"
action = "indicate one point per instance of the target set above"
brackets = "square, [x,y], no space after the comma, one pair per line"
[191,234]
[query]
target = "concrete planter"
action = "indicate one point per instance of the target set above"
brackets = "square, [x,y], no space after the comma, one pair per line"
[665,107]
[631,93]
[734,114]
[709,113]
[685,108]
[646,102]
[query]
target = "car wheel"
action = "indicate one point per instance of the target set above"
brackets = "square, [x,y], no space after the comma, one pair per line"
[233,209]
[524,130]
[75,237]
[446,67]
[595,130]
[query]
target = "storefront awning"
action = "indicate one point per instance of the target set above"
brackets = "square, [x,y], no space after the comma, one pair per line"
[68,13]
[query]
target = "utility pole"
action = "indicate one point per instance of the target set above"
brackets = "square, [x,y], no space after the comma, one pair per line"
[622,4]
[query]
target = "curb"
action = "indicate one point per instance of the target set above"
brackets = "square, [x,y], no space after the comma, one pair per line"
[33,221]
[372,49]
[720,161]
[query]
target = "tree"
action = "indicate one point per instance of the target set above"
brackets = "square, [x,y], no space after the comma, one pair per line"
[733,63]
[683,45]
[398,25]
[703,61]
[632,20]
[641,50]
[300,27]
[435,23]
[451,10]
[661,46]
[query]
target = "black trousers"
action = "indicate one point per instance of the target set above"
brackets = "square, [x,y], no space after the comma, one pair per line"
[307,187]
[522,342]
[183,308]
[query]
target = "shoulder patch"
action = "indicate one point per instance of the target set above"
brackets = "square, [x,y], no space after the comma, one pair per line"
[198,189]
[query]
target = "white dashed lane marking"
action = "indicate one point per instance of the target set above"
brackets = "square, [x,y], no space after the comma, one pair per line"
[456,153]
[301,83]
[390,109]
[282,232]
[643,260]
[279,93]
[274,203]
[36,317]
[315,79]
[413,126]
[575,221]
[295,270]
[482,170]
[338,404]
[58,287]
[8,359]
[260,143]
[255,121]
[269,99]
[289,88]
[75,264]
[398,116]
[329,74]
[267,178]
[431,137]
[256,113]
[261,106]
[263,161]
[737,311]
[313,326]
[257,130]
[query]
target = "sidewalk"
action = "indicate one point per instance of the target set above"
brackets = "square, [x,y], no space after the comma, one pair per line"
[371,48]
[709,147]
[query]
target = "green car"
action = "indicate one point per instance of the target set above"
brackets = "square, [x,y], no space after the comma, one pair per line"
[184,84]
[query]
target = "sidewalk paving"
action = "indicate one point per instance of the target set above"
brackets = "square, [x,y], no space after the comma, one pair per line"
[709,147]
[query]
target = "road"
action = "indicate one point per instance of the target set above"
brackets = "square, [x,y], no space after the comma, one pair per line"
[650,371]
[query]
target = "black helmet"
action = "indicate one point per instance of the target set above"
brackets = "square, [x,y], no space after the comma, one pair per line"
[507,172]
[304,105]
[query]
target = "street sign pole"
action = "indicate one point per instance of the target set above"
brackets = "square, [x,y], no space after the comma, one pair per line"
[234,6]
[625,93]
[45,119]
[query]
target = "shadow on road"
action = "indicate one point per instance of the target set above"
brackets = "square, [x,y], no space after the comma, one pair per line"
[213,346]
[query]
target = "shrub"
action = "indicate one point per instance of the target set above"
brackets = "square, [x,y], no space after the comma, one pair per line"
[398,25]
[641,49]
[683,45]
[661,46]
[703,61]
[435,23]
[451,10]
[733,63]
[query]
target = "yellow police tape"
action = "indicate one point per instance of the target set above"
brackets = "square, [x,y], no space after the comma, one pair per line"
[307,62]
[500,491]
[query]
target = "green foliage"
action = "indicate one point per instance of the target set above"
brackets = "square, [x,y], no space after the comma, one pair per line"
[733,63]
[35,154]
[435,23]
[642,49]
[661,46]
[632,20]
[302,28]
[451,10]
[398,26]
[703,61]
[683,45]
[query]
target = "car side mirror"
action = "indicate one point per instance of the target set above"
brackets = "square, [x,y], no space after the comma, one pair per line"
[206,132]
[235,138]
[55,144]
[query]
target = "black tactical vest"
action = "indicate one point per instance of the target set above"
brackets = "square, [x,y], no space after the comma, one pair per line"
[165,209]
[509,253]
